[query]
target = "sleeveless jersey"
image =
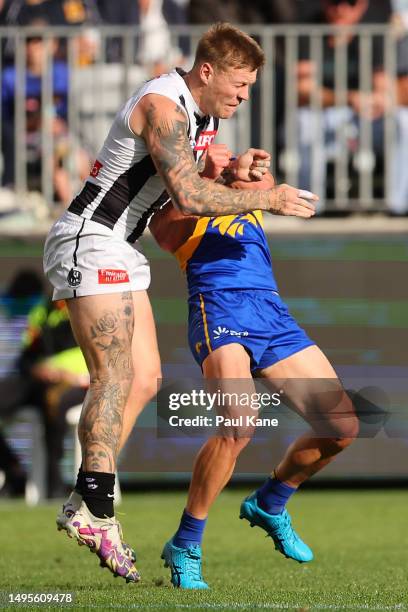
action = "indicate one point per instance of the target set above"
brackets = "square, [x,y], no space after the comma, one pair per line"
[124,188]
[229,252]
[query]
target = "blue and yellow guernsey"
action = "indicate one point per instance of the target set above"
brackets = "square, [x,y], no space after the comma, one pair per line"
[229,252]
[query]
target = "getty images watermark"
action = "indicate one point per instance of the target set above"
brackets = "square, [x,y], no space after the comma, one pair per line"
[234,407]
[288,407]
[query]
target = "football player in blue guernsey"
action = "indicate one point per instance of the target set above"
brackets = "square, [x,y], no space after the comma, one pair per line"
[239,328]
[91,257]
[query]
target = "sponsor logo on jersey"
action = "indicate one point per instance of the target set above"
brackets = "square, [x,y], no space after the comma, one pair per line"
[111,277]
[204,140]
[95,168]
[74,277]
[224,331]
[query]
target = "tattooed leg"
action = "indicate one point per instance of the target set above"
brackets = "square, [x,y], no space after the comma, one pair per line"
[103,327]
[146,362]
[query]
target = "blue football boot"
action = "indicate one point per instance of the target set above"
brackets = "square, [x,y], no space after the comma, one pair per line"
[185,566]
[278,527]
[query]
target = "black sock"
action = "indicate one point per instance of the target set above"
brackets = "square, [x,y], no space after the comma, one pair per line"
[97,492]
[78,485]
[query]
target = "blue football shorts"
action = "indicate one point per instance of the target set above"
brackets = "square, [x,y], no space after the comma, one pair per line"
[257,319]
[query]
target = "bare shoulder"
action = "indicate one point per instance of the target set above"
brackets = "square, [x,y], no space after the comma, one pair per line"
[165,133]
[155,110]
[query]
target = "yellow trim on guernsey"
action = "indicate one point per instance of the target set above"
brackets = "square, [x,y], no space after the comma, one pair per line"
[228,224]
[207,336]
[233,224]
[184,253]
[259,215]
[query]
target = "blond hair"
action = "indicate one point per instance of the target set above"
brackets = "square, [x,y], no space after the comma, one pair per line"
[225,46]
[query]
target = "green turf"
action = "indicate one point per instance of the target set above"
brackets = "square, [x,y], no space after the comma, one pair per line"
[359,539]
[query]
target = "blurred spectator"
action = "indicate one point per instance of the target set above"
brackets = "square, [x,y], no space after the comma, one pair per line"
[155,50]
[241,11]
[3,10]
[119,12]
[24,292]
[55,12]
[87,46]
[37,50]
[400,14]
[308,11]
[399,22]
[176,14]
[52,376]
[212,11]
[371,105]
[277,12]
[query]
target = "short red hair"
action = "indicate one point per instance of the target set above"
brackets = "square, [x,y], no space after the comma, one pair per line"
[225,46]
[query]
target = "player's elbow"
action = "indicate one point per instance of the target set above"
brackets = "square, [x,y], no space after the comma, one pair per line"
[186,206]
[192,196]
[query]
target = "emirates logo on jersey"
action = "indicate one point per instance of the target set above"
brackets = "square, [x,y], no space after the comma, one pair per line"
[204,140]
[95,168]
[112,277]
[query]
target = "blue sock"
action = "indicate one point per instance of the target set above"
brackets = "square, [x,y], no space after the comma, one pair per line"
[190,531]
[273,495]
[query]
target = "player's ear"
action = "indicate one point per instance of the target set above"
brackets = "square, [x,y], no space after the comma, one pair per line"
[206,73]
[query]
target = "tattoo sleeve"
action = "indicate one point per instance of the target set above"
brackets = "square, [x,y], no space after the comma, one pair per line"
[167,140]
[201,165]
[227,177]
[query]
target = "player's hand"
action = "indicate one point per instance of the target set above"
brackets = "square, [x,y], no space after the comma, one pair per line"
[267,182]
[217,158]
[251,165]
[291,201]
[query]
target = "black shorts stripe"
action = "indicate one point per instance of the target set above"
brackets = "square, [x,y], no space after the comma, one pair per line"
[122,192]
[74,256]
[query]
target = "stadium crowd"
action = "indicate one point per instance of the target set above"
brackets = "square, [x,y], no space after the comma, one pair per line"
[155,51]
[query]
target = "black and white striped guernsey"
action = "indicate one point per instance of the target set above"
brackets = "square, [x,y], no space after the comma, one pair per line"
[124,189]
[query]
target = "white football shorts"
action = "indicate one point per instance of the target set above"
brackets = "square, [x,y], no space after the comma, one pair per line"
[83,257]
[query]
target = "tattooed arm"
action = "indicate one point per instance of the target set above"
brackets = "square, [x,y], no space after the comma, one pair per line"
[171,229]
[163,125]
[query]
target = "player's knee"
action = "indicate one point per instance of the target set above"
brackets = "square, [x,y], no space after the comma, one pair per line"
[347,437]
[235,443]
[148,386]
[347,430]
[343,424]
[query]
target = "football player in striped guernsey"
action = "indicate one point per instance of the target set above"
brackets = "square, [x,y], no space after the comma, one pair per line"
[93,259]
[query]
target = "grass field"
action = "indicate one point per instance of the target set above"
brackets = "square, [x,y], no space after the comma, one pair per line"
[359,539]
